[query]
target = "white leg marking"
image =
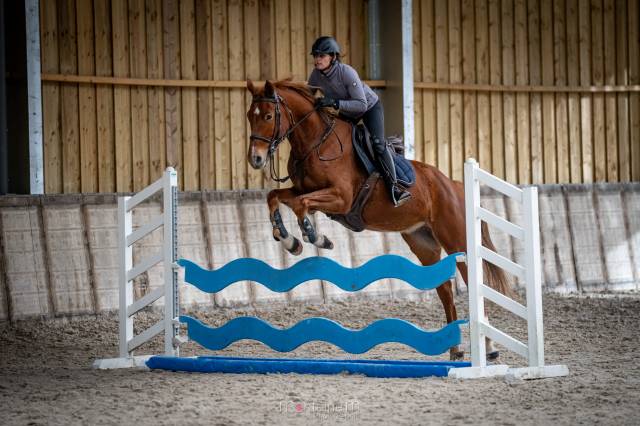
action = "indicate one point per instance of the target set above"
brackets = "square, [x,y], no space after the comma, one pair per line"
[490,346]
[413,228]
[320,241]
[288,242]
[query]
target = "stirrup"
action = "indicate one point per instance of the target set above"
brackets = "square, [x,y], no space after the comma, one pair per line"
[399,196]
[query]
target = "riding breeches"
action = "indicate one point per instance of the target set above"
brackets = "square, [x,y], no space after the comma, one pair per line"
[374,121]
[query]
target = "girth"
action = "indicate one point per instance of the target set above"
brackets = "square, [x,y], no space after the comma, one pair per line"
[353,219]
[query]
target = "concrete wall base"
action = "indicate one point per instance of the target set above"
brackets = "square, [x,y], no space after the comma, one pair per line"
[58,254]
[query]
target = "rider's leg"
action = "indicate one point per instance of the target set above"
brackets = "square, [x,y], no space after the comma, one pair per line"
[374,121]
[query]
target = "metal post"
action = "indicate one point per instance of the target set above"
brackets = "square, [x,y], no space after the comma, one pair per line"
[407,79]
[34,98]
[373,27]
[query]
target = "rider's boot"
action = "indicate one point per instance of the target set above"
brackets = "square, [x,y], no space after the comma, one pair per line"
[399,195]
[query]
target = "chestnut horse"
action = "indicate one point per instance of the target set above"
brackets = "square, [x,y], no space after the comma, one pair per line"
[326,177]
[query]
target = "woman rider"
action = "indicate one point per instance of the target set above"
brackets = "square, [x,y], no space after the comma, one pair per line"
[345,92]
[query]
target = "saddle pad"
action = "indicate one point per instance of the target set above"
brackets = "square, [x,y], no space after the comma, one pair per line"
[404,170]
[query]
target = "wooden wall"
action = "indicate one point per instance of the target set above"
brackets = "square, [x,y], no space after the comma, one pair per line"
[518,84]
[518,79]
[119,137]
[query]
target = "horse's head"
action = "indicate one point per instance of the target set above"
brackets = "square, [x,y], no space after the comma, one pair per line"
[265,121]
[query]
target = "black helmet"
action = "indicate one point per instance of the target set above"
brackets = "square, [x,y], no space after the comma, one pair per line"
[326,45]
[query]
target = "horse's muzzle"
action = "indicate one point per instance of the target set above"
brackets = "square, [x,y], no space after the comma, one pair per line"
[257,161]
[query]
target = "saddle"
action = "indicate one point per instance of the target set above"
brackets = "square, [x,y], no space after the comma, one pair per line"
[364,151]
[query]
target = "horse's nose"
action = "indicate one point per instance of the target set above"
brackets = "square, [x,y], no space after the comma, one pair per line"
[257,161]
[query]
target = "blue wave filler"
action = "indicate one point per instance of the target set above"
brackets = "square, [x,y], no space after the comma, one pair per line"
[318,329]
[370,368]
[325,330]
[322,268]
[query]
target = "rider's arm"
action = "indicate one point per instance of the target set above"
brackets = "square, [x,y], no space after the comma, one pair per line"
[357,102]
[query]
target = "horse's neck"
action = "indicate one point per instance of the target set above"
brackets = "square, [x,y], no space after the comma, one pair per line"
[311,133]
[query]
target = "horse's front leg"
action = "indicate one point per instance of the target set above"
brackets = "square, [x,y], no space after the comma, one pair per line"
[326,200]
[310,235]
[280,233]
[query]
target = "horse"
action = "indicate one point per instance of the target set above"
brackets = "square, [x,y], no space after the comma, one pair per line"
[326,178]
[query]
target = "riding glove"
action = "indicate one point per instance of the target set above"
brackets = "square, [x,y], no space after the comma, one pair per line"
[327,102]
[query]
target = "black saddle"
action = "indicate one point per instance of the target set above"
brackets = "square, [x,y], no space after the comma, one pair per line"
[364,149]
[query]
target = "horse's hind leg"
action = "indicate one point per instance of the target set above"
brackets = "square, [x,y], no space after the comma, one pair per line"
[492,352]
[451,244]
[280,233]
[427,249]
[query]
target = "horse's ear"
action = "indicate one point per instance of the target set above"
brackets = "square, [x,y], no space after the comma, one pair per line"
[250,87]
[269,89]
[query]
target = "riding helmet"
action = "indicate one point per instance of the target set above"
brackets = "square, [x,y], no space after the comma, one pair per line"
[325,44]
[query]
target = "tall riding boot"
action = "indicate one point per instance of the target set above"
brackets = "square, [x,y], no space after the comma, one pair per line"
[399,195]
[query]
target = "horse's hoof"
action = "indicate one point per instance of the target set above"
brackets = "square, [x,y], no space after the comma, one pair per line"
[327,244]
[296,248]
[456,356]
[492,356]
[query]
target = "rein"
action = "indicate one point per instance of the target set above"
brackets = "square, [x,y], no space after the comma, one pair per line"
[275,140]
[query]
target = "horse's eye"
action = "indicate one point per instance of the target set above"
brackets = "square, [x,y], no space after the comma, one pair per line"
[268,117]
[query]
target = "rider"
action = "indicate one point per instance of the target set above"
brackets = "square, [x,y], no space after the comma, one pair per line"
[345,92]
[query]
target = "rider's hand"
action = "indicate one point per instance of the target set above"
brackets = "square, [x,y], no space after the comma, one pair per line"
[327,102]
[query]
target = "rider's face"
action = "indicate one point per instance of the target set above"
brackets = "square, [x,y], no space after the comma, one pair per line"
[322,61]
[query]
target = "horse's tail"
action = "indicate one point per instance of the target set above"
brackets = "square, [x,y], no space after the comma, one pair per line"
[495,276]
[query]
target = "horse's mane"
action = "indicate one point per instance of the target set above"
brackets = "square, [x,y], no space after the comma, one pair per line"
[303,89]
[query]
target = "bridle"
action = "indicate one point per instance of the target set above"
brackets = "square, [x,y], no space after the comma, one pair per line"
[276,139]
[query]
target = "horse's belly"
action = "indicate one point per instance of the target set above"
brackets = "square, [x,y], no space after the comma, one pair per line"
[381,215]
